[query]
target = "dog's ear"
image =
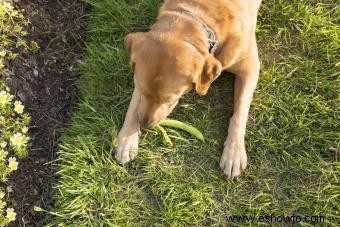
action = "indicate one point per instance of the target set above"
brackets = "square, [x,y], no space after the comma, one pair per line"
[130,39]
[211,71]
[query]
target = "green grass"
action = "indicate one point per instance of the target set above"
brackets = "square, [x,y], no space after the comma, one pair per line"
[292,136]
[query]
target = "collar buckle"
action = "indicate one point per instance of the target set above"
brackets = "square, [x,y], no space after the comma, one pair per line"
[213,45]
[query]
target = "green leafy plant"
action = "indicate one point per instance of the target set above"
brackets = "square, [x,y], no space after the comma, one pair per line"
[12,33]
[13,142]
[13,121]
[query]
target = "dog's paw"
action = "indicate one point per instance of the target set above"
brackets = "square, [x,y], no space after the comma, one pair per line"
[234,158]
[127,146]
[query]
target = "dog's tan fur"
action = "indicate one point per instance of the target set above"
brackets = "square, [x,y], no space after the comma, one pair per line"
[173,58]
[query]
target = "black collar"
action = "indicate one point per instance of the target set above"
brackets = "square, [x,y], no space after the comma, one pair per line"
[210,34]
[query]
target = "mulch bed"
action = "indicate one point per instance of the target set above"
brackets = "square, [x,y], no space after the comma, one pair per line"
[43,82]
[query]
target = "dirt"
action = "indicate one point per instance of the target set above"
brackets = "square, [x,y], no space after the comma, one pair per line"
[43,82]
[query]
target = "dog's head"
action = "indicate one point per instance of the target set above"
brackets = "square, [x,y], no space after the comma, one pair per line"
[164,69]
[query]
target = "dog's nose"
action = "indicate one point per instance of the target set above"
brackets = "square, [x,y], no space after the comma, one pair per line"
[145,124]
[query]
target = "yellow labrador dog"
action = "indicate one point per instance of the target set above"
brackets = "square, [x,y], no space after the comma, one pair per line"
[189,45]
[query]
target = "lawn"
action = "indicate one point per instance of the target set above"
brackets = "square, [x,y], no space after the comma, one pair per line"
[292,136]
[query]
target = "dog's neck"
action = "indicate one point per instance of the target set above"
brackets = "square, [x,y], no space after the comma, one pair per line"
[210,34]
[184,27]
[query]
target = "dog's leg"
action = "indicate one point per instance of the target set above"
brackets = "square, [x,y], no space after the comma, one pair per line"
[128,137]
[234,157]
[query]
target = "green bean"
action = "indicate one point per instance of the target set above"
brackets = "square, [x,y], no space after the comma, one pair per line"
[186,127]
[166,138]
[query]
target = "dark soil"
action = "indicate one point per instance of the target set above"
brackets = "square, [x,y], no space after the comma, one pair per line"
[43,82]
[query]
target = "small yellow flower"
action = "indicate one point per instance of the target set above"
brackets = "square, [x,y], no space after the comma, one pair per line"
[17,139]
[7,6]
[2,205]
[3,144]
[2,195]
[2,53]
[18,107]
[4,98]
[24,130]
[12,163]
[2,64]
[3,154]
[10,214]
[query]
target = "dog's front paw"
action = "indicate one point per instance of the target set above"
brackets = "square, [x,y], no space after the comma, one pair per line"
[234,158]
[127,146]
